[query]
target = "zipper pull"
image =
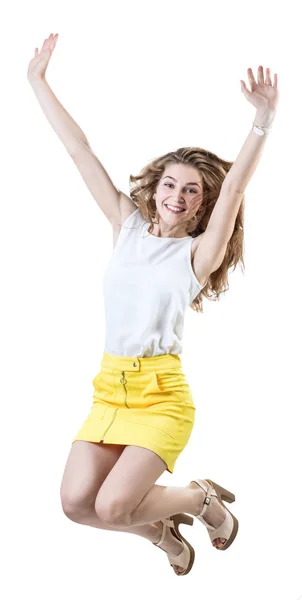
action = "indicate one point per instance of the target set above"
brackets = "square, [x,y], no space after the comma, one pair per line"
[123,380]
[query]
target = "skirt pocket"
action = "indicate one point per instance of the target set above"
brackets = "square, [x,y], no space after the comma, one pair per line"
[167,384]
[148,384]
[174,380]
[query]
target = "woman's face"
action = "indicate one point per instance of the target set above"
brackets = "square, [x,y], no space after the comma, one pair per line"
[180,187]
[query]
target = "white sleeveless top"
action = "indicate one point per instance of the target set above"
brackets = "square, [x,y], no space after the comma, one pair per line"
[148,285]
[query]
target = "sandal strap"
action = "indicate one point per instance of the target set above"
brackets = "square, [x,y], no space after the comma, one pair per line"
[166,523]
[163,535]
[209,492]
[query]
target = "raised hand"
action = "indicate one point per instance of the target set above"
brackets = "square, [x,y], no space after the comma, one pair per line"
[38,65]
[263,95]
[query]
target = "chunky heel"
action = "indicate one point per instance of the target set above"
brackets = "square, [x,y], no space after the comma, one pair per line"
[222,492]
[183,518]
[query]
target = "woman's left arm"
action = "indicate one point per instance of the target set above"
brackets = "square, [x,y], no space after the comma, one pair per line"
[213,242]
[264,96]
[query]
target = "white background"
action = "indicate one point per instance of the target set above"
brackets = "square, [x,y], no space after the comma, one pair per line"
[141,79]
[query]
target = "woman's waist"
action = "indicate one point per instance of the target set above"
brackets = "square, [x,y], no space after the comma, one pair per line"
[160,362]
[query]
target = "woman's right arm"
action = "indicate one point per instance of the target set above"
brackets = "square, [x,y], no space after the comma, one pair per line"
[69,132]
[116,205]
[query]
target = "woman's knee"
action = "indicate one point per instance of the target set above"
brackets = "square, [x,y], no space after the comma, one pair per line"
[87,467]
[76,505]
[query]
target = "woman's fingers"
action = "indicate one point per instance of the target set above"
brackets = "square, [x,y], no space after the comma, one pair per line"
[49,42]
[38,65]
[260,74]
[54,40]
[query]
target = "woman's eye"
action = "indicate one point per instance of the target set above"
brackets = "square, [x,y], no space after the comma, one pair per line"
[191,189]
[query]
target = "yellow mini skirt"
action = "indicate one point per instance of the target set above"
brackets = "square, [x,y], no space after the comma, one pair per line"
[143,402]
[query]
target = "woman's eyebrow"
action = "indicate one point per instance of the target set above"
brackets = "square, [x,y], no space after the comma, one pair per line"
[189,183]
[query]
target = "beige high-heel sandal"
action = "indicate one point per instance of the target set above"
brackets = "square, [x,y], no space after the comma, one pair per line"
[229,528]
[186,558]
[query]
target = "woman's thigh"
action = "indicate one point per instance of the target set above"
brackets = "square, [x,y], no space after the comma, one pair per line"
[87,467]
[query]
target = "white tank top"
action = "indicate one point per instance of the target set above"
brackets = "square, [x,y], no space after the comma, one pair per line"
[148,285]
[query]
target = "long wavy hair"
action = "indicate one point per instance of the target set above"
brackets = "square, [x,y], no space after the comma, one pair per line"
[212,170]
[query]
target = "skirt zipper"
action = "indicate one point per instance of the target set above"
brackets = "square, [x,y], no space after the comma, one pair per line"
[109,425]
[124,381]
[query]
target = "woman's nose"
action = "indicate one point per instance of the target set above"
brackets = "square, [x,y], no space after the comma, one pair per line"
[179,197]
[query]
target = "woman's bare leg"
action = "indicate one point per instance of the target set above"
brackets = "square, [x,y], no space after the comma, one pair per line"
[150,531]
[87,467]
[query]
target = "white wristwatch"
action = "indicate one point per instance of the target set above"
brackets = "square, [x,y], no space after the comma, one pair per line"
[261,130]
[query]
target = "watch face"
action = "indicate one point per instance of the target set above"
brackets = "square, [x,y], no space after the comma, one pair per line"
[258,130]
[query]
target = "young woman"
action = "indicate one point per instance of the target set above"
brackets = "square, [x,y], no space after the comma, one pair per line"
[175,238]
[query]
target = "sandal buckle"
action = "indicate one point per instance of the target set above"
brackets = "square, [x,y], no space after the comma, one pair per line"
[207,500]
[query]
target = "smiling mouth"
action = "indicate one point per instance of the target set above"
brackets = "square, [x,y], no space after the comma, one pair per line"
[174,209]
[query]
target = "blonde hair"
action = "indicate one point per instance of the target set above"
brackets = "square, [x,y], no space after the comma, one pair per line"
[212,170]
